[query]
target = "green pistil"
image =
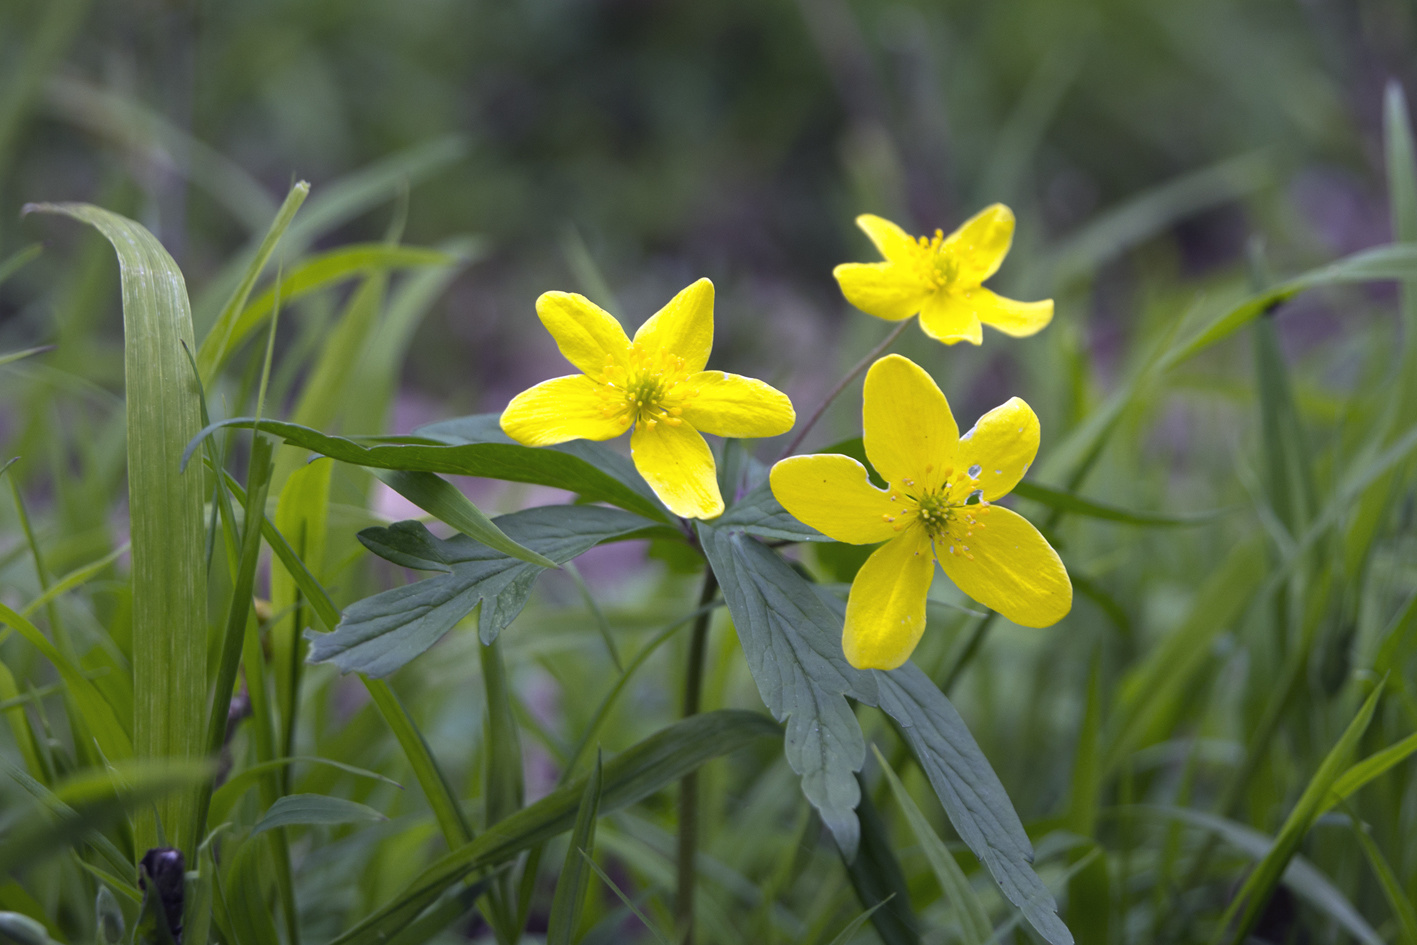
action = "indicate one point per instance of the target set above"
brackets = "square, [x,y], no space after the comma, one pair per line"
[934,513]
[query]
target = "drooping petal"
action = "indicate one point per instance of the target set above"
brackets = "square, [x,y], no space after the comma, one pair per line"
[894,243]
[949,318]
[886,290]
[999,449]
[561,409]
[980,245]
[678,465]
[906,423]
[1019,319]
[833,494]
[585,332]
[885,612]
[684,327]
[733,405]
[1014,570]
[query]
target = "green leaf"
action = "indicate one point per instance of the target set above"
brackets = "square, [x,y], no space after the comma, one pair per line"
[91,801]
[1366,770]
[314,809]
[379,634]
[759,513]
[315,273]
[1402,906]
[217,344]
[633,775]
[226,796]
[574,880]
[971,793]
[792,642]
[1249,902]
[1379,264]
[442,500]
[973,919]
[11,265]
[97,713]
[591,470]
[164,509]
[880,885]
[1076,505]
[1301,876]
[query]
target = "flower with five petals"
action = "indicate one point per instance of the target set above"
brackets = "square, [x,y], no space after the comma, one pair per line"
[937,505]
[655,384]
[940,278]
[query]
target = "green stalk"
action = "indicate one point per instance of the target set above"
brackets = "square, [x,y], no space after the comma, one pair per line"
[689,784]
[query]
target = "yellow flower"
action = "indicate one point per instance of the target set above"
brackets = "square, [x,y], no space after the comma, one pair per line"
[657,384]
[940,278]
[937,505]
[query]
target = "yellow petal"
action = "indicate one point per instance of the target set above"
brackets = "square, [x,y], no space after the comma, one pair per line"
[733,405]
[885,290]
[980,245]
[1000,448]
[684,327]
[1019,319]
[885,613]
[677,464]
[585,332]
[894,243]
[1015,571]
[561,409]
[834,495]
[906,424]
[950,318]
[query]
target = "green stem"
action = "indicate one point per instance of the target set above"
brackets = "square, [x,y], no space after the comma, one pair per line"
[851,375]
[689,785]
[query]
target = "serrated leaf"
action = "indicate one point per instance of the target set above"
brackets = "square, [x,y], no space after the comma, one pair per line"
[379,634]
[759,513]
[972,795]
[792,642]
[973,919]
[591,470]
[443,501]
[660,760]
[305,810]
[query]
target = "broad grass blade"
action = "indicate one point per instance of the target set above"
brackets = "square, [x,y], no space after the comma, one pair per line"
[165,511]
[574,880]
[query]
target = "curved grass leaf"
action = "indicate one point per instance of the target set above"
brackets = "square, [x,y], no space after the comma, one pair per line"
[793,645]
[381,633]
[314,809]
[578,467]
[1366,770]
[633,775]
[164,507]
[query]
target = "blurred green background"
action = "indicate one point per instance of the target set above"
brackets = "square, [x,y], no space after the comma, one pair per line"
[666,141]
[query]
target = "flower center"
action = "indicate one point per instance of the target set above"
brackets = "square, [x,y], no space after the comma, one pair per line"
[649,388]
[935,266]
[945,511]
